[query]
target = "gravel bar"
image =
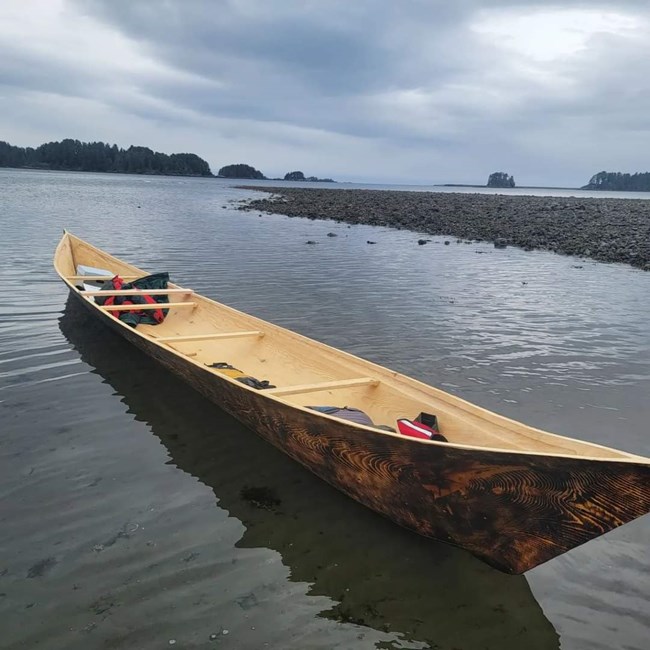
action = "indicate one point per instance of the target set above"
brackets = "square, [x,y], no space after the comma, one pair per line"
[608,230]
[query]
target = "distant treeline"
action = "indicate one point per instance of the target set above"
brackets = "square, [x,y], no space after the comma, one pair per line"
[72,155]
[639,182]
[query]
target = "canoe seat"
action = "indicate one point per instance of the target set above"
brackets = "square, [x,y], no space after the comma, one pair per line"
[136,292]
[324,385]
[180,338]
[158,305]
[99,278]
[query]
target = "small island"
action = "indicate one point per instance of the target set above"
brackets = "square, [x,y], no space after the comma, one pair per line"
[75,156]
[299,176]
[616,181]
[500,179]
[241,171]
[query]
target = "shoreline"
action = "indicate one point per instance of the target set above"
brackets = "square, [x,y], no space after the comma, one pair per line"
[606,230]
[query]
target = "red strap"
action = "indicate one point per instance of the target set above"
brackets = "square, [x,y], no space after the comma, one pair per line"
[117,283]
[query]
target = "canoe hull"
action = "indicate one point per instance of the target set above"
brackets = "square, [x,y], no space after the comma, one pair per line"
[512,510]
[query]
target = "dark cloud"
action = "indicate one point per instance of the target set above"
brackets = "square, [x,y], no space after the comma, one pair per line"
[439,91]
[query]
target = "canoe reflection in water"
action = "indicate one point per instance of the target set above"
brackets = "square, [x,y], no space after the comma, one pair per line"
[380,575]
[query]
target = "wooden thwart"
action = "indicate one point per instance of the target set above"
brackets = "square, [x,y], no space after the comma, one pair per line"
[205,337]
[324,385]
[102,277]
[136,292]
[158,305]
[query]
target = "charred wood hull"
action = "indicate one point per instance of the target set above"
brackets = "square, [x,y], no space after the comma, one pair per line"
[511,510]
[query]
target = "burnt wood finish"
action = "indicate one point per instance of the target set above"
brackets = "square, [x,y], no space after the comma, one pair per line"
[514,510]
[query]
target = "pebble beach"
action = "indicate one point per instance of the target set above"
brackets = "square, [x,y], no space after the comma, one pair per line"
[607,230]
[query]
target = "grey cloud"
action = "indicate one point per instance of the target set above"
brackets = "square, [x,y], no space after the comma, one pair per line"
[301,65]
[29,71]
[311,68]
[403,76]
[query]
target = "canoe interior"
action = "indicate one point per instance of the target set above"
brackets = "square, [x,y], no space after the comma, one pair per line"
[290,361]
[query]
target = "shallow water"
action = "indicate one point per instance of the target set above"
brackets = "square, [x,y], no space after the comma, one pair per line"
[125,515]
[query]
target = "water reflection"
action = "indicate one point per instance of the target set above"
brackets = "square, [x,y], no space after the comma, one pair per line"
[380,576]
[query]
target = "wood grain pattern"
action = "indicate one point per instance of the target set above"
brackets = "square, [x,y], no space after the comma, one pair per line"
[512,509]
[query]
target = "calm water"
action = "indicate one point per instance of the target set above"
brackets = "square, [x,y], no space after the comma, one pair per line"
[465,189]
[123,517]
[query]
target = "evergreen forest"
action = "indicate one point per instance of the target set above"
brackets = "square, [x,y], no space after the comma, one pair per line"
[639,182]
[73,155]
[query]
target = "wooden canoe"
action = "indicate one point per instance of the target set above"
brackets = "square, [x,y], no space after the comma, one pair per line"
[512,495]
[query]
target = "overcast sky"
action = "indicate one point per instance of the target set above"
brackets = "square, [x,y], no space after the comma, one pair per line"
[419,91]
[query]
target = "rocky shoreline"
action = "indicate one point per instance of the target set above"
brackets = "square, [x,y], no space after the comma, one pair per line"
[607,230]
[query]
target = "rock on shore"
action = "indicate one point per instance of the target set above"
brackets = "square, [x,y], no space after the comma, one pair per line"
[608,230]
